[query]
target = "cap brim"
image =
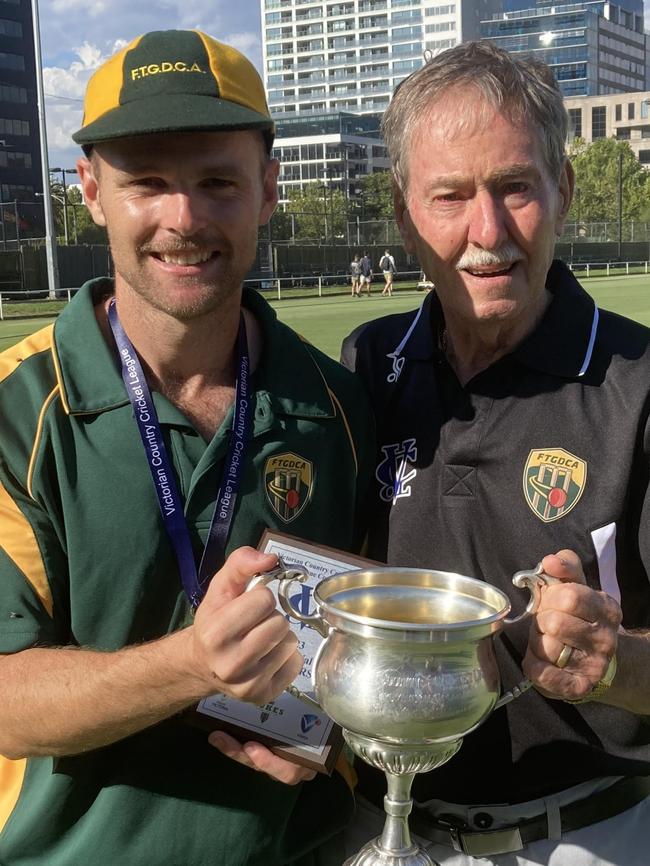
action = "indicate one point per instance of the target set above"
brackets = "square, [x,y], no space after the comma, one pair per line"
[171,113]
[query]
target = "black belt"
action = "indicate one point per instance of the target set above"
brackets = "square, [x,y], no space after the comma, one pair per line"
[619,797]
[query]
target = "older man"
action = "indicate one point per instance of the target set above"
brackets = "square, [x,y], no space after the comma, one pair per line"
[513,423]
[144,437]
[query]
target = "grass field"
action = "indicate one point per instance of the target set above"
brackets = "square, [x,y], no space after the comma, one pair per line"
[325,321]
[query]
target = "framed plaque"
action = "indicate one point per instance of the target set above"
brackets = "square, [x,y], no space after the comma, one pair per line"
[287,725]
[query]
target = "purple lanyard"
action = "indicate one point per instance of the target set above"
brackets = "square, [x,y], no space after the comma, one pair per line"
[162,471]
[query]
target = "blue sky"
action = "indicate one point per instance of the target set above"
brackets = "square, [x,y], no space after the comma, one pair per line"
[77,35]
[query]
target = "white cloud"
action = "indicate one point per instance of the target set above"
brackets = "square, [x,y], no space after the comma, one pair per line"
[64,90]
[77,35]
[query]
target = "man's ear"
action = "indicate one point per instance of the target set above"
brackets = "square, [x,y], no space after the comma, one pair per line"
[566,186]
[403,218]
[270,191]
[87,172]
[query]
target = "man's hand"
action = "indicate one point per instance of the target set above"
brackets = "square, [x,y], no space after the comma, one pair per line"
[258,757]
[241,645]
[571,615]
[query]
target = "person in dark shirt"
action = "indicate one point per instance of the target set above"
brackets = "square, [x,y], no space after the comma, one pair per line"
[513,428]
[366,272]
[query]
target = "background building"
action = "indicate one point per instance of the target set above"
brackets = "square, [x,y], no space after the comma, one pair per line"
[349,55]
[330,69]
[20,156]
[624,116]
[336,148]
[593,46]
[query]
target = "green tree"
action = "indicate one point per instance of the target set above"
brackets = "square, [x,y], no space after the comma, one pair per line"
[320,213]
[281,225]
[377,196]
[596,167]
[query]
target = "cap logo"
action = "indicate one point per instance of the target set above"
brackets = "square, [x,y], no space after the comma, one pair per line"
[165,66]
[554,480]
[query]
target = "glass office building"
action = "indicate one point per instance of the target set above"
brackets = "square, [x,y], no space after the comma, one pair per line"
[20,154]
[593,47]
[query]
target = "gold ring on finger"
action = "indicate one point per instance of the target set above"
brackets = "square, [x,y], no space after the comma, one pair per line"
[564,657]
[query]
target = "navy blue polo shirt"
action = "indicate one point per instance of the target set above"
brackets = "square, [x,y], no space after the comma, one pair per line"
[545,449]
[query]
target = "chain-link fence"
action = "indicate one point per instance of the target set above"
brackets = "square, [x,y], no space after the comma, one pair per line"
[311,229]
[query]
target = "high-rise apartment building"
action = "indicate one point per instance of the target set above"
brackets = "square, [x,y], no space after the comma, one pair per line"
[20,154]
[594,47]
[330,67]
[349,55]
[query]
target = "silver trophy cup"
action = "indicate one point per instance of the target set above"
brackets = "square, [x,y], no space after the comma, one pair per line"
[407,669]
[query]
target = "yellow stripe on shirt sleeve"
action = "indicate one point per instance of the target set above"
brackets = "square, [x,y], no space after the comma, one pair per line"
[37,438]
[20,545]
[11,358]
[12,774]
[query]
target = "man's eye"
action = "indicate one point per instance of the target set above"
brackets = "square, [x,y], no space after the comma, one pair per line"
[217,183]
[148,182]
[448,196]
[516,187]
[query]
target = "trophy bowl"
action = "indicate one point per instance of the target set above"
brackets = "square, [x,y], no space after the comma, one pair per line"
[407,669]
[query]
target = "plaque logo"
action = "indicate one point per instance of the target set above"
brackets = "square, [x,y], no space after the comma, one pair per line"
[309,721]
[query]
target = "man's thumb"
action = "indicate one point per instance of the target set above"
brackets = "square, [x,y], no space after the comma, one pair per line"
[565,565]
[232,579]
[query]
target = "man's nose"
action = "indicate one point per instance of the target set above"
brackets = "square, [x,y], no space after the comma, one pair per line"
[487,221]
[183,213]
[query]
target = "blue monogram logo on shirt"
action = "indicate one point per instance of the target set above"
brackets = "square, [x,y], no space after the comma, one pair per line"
[397,469]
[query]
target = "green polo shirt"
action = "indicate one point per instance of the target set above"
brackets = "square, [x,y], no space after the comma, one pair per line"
[85,561]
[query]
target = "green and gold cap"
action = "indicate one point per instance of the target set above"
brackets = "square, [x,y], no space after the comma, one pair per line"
[173,81]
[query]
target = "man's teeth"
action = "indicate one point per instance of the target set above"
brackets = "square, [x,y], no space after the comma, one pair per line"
[185,258]
[486,272]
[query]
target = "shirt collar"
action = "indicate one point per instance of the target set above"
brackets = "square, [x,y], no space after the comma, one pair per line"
[91,381]
[561,344]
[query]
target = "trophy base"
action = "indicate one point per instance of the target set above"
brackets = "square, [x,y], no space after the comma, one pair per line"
[373,854]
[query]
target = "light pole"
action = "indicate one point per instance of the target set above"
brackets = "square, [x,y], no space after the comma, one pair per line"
[63,172]
[50,239]
[620,203]
[63,202]
[347,145]
[326,191]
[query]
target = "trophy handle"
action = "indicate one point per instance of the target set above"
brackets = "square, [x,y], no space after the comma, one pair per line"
[533,581]
[286,576]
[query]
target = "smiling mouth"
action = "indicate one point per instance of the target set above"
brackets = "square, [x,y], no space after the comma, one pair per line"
[494,271]
[195,257]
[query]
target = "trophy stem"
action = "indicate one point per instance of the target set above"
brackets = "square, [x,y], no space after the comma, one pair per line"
[400,763]
[397,805]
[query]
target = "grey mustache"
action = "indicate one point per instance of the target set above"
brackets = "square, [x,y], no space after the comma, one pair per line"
[506,254]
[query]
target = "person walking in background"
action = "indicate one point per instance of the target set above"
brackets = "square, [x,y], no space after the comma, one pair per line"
[387,265]
[355,276]
[366,272]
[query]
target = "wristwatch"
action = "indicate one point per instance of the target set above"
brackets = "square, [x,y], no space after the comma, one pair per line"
[601,686]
